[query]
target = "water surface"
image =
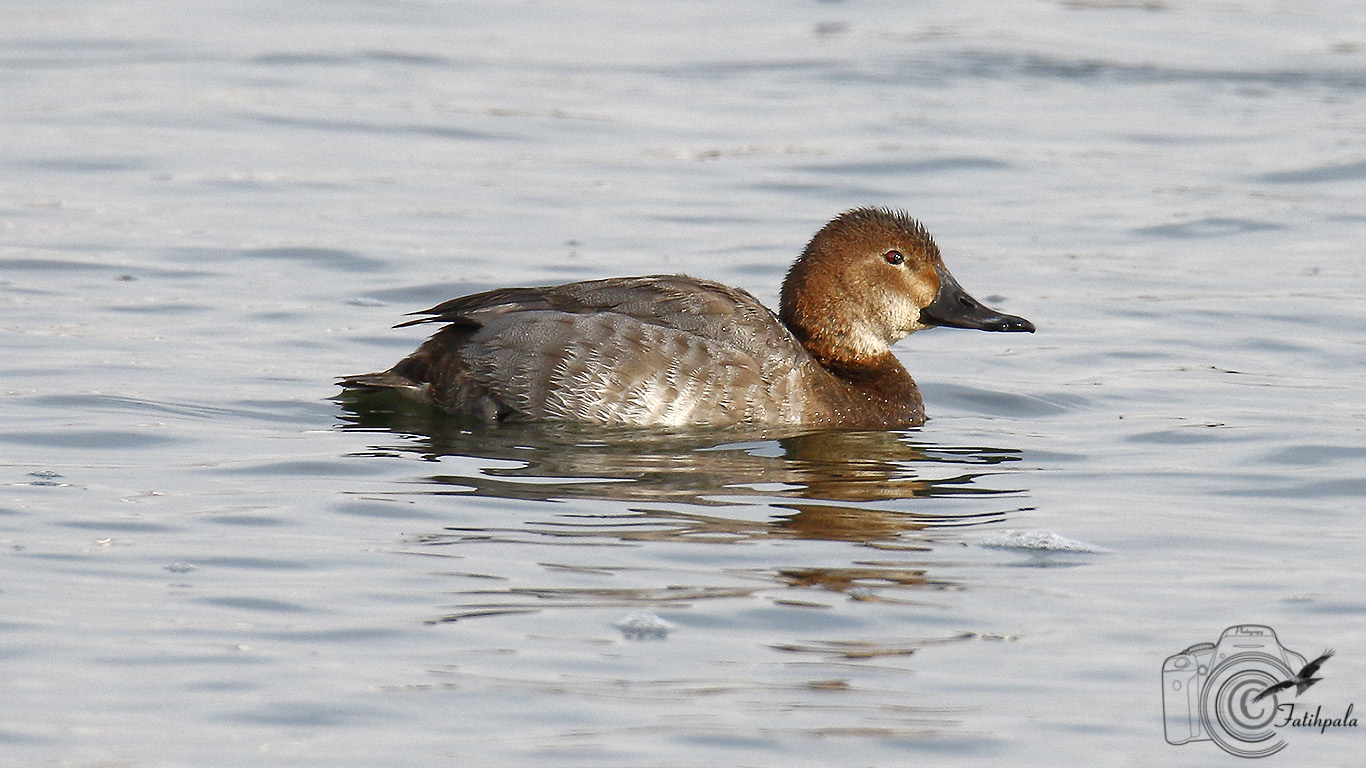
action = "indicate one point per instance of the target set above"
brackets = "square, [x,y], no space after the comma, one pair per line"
[211,210]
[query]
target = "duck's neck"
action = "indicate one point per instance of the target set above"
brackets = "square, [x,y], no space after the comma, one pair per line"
[875,391]
[836,331]
[883,376]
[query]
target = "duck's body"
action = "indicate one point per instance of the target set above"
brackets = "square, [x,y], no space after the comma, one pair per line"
[664,350]
[675,351]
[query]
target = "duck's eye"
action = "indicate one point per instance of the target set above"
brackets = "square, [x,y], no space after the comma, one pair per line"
[894,258]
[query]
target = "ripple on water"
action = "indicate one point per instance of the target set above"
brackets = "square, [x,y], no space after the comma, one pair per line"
[1318,174]
[1312,454]
[993,402]
[88,439]
[256,604]
[1212,226]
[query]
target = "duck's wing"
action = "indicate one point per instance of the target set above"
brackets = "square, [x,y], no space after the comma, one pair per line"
[666,350]
[727,316]
[662,350]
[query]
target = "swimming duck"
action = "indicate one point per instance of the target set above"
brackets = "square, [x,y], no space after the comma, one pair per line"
[670,350]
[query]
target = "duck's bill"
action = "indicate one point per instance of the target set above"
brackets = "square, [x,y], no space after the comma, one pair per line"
[953,307]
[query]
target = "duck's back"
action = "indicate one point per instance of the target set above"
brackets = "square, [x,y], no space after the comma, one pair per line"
[661,350]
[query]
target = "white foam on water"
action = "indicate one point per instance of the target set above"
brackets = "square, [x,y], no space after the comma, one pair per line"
[643,625]
[1038,540]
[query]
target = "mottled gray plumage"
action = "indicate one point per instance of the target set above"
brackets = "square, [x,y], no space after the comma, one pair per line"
[671,350]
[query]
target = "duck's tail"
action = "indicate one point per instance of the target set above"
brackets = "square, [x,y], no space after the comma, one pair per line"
[387,381]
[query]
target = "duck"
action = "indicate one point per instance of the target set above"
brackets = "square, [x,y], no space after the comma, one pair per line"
[678,351]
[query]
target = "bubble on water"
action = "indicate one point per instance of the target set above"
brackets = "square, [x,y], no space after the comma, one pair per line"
[46,478]
[1038,540]
[643,625]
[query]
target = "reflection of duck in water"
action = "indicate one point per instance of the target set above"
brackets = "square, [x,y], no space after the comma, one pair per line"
[674,351]
[709,467]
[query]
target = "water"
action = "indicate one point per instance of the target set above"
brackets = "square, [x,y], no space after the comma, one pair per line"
[211,210]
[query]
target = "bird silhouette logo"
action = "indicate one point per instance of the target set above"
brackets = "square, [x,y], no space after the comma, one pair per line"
[1301,681]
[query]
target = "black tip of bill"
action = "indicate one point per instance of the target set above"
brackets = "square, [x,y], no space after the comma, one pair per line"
[954,308]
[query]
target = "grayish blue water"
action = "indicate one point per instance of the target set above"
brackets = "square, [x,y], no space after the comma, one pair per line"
[210,210]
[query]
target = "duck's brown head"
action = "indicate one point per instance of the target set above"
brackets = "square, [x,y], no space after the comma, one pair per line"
[866,280]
